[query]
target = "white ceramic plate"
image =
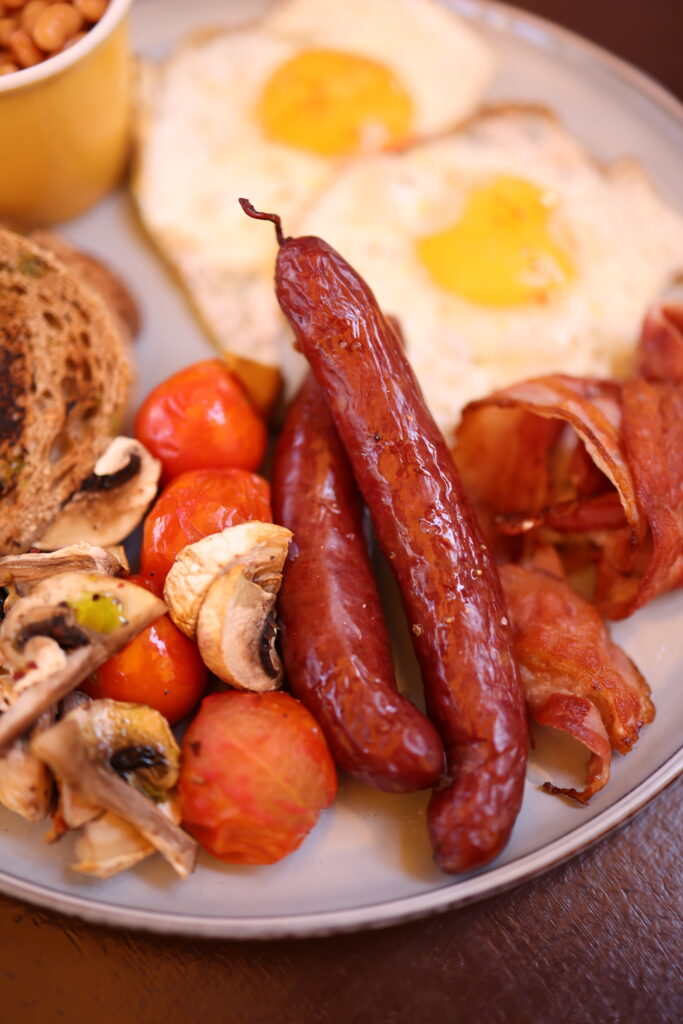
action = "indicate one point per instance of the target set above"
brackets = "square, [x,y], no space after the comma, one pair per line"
[368,862]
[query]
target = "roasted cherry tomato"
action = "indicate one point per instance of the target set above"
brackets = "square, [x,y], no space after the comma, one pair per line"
[159,667]
[201,418]
[196,504]
[255,774]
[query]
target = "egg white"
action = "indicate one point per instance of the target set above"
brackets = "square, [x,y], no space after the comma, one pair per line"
[626,247]
[201,145]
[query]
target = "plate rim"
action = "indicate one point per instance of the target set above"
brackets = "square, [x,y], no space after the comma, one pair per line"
[459,893]
[489,881]
[494,14]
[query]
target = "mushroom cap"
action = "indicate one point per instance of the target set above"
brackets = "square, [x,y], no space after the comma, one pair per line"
[60,632]
[111,727]
[111,501]
[76,596]
[236,633]
[258,548]
[76,751]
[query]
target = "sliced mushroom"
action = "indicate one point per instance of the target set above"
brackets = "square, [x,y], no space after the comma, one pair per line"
[118,552]
[236,633]
[135,740]
[222,590]
[62,631]
[111,501]
[22,572]
[260,548]
[109,844]
[94,747]
[71,811]
[25,781]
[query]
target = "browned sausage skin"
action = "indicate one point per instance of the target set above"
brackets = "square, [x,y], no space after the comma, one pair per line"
[448,580]
[335,645]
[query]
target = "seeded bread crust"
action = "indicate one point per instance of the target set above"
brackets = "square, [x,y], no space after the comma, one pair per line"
[64,379]
[97,276]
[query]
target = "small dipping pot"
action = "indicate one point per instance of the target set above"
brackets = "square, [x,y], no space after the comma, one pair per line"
[64,126]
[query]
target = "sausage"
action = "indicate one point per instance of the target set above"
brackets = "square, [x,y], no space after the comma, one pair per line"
[446,574]
[335,644]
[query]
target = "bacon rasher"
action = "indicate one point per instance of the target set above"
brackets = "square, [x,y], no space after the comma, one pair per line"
[574,678]
[600,461]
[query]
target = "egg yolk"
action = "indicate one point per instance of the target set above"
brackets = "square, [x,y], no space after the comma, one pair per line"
[500,252]
[334,104]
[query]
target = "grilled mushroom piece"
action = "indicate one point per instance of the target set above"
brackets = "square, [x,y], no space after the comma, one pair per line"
[259,548]
[21,572]
[121,758]
[236,633]
[54,637]
[25,781]
[109,844]
[223,590]
[111,501]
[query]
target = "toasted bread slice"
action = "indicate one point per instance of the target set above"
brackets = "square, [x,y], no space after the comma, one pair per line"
[64,378]
[98,276]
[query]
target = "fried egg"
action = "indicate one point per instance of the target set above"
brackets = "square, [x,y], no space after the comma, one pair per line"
[270,112]
[505,251]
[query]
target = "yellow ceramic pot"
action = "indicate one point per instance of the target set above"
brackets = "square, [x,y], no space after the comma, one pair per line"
[64,126]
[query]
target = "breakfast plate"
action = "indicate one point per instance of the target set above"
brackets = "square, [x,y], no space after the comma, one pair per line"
[368,862]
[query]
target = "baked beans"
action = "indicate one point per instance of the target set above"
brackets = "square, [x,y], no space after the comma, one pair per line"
[33,30]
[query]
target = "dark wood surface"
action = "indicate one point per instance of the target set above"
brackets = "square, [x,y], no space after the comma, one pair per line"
[598,939]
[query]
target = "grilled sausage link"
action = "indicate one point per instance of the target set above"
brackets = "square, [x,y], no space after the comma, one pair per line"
[335,645]
[448,580]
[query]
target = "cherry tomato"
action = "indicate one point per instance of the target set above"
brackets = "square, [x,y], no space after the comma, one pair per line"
[159,667]
[201,418]
[255,774]
[196,504]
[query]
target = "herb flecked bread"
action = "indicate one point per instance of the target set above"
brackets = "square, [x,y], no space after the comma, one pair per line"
[64,379]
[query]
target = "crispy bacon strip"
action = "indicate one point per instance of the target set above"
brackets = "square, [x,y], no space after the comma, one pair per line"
[599,512]
[633,433]
[514,486]
[591,407]
[574,678]
[660,353]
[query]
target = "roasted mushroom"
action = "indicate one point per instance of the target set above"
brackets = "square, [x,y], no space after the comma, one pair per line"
[25,781]
[109,844]
[222,591]
[53,638]
[123,760]
[236,632]
[110,502]
[22,572]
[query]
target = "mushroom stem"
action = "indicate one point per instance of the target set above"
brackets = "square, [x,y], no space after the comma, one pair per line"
[44,693]
[25,781]
[62,748]
[24,571]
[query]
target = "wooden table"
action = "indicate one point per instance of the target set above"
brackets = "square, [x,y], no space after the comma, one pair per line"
[598,939]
